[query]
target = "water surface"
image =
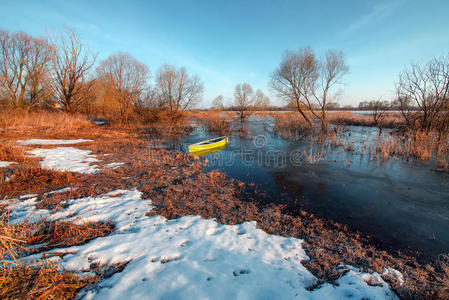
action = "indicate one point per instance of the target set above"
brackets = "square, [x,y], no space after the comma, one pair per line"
[401,205]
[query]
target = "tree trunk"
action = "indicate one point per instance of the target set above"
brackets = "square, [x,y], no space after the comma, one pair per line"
[303,114]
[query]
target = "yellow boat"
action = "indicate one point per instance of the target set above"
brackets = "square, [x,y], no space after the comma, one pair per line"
[209,144]
[207,151]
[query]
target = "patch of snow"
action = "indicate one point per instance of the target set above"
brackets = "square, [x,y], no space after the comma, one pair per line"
[99,122]
[353,285]
[52,142]
[24,209]
[4,164]
[67,159]
[194,258]
[120,206]
[23,197]
[398,275]
[114,165]
[63,190]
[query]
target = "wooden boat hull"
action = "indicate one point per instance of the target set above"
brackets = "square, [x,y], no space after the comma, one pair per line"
[209,144]
[207,152]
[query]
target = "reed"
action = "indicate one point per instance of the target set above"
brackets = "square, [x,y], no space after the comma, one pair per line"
[417,145]
[217,122]
[389,120]
[290,125]
[55,123]
[313,155]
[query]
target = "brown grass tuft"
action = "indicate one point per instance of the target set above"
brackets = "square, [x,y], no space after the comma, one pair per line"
[290,125]
[10,245]
[60,234]
[217,122]
[33,179]
[48,234]
[42,281]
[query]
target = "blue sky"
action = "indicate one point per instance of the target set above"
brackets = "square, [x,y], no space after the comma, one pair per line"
[228,42]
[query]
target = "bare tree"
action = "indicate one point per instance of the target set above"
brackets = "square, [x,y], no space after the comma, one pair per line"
[262,101]
[177,91]
[423,94]
[70,65]
[292,76]
[23,63]
[218,102]
[244,101]
[125,81]
[379,111]
[40,80]
[331,71]
[308,82]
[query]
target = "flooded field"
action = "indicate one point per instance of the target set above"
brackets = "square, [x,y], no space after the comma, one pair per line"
[400,204]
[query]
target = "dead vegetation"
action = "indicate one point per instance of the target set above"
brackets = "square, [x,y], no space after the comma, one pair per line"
[60,234]
[25,238]
[177,186]
[20,122]
[10,152]
[43,281]
[22,180]
[412,145]
[388,120]
[400,144]
[289,126]
[217,122]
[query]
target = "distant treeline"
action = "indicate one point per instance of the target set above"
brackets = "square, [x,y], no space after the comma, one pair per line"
[61,73]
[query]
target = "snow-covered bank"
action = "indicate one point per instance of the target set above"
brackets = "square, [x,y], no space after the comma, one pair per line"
[67,159]
[195,258]
[52,142]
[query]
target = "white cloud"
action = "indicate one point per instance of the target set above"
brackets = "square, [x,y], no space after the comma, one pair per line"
[377,14]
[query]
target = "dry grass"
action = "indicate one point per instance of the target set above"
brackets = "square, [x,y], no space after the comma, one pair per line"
[23,180]
[60,234]
[391,145]
[412,145]
[177,186]
[55,123]
[217,122]
[290,125]
[9,151]
[43,281]
[389,120]
[10,245]
[142,166]
[165,128]
[163,123]
[47,234]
